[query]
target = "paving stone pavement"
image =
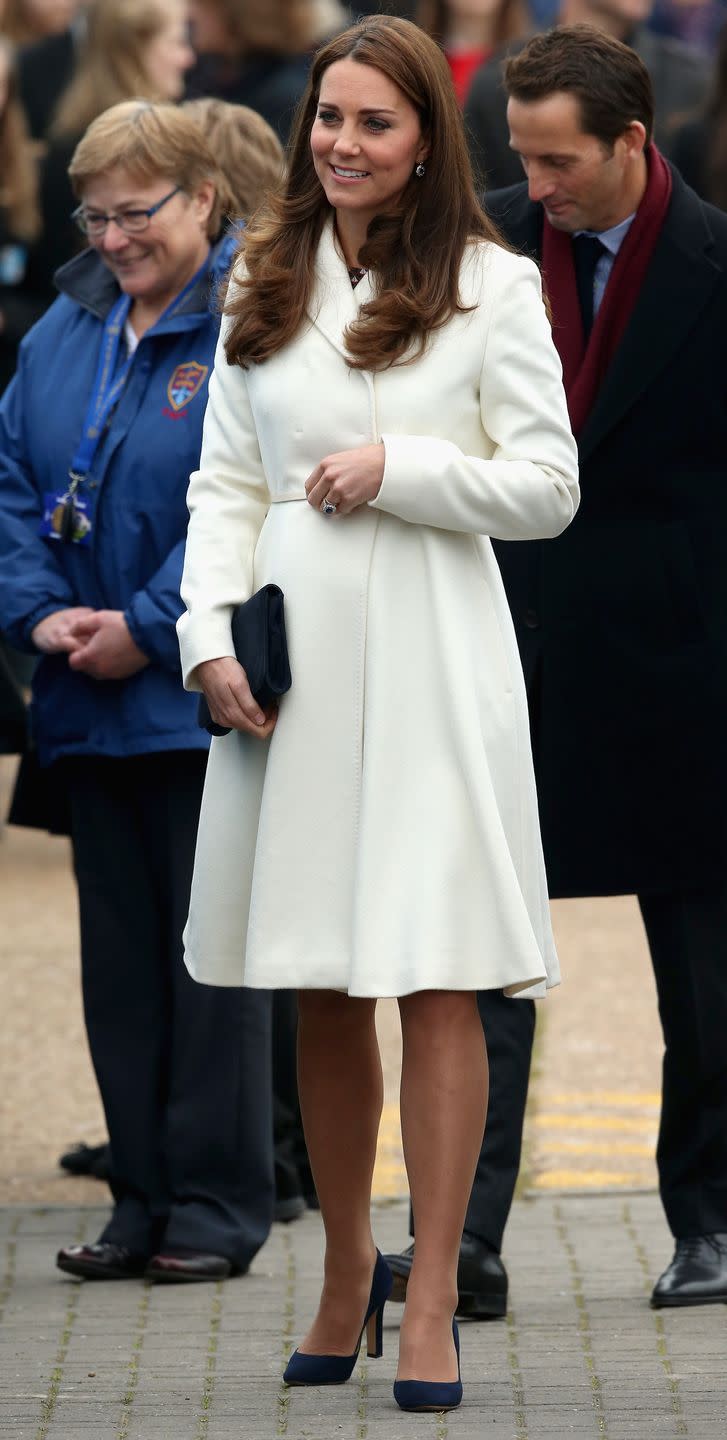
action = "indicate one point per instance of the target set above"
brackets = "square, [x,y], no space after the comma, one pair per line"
[580,1355]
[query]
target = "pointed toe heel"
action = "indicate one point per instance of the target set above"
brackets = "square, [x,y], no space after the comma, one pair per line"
[431,1394]
[305,1369]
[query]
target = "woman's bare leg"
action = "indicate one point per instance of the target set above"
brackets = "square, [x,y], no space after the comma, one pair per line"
[341,1095]
[444,1086]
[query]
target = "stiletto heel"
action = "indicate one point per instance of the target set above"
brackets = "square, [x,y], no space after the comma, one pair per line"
[375,1334]
[305,1369]
[431,1394]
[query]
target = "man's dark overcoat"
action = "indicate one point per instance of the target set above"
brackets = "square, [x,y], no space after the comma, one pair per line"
[622,621]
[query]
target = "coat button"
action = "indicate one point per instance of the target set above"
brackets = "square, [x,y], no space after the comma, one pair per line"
[531,619]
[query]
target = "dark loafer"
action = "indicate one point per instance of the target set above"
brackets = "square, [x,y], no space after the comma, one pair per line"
[180,1266]
[84,1159]
[481,1279]
[101,1262]
[697,1274]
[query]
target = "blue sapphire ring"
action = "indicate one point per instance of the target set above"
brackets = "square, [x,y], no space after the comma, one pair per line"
[327,508]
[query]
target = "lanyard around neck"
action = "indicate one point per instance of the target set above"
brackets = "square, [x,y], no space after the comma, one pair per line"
[109,380]
[107,387]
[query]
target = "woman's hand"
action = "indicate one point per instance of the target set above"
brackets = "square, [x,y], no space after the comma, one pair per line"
[53,635]
[104,648]
[230,698]
[347,480]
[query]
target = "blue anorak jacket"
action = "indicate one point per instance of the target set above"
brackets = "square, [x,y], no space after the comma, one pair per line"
[138,485]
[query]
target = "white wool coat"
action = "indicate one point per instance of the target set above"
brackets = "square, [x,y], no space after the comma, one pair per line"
[385,840]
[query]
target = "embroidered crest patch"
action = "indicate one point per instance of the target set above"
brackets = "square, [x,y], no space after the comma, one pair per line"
[185,383]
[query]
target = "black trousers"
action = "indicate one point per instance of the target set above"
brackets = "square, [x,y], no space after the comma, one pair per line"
[687,937]
[178,1064]
[509,1027]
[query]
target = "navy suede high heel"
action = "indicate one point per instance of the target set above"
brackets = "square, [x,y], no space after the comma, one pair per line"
[336,1369]
[431,1394]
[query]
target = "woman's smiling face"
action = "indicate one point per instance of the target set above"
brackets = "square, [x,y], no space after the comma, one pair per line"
[154,265]
[366,139]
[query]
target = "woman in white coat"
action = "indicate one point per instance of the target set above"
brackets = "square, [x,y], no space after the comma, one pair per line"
[386,396]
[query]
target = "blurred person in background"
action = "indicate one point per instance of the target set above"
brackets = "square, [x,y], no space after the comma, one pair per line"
[93,479]
[679,77]
[699,145]
[246,148]
[131,49]
[257,52]
[471,32]
[20,304]
[698,22]
[24,21]
[46,66]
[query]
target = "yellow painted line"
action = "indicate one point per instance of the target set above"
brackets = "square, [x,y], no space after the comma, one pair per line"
[602,1097]
[599,1147]
[390,1180]
[587,1179]
[556,1121]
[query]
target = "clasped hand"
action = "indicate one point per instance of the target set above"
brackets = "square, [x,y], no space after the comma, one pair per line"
[97,642]
[347,480]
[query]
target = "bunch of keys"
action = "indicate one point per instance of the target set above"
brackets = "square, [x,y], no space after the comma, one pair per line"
[68,523]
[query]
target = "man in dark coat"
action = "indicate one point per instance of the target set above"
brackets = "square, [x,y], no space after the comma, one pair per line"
[622,621]
[680,77]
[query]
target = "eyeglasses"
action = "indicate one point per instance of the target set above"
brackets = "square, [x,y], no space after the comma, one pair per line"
[93,223]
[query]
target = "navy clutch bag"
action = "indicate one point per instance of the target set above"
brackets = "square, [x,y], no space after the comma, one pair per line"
[258,635]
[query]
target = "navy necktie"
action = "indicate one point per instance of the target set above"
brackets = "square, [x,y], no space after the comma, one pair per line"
[587,251]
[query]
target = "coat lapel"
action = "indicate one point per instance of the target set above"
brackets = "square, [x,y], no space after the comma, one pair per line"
[518,218]
[334,303]
[680,280]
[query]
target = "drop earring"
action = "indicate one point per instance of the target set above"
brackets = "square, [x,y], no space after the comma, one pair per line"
[420,170]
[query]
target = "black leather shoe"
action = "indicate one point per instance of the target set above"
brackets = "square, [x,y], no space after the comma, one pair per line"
[481,1279]
[178,1266]
[697,1274]
[101,1262]
[82,1159]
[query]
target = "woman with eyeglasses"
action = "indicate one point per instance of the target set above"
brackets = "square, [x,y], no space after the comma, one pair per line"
[98,433]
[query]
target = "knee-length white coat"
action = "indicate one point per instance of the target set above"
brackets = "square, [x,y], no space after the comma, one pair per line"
[385,839]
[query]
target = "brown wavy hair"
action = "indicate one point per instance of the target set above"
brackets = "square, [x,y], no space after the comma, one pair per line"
[414,253]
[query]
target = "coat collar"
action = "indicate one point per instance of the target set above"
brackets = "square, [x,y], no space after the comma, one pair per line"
[334,304]
[682,275]
[91,284]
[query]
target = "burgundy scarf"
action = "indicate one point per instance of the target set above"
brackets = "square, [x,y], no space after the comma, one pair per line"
[584,366]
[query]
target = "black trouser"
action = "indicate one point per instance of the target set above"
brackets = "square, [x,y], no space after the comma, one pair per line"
[688,941]
[509,1026]
[687,937]
[183,1069]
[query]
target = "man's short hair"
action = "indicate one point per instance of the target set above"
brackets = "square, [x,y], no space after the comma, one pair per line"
[609,81]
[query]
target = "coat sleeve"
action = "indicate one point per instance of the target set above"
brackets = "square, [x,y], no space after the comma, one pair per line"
[152,613]
[228,500]
[529,489]
[32,584]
